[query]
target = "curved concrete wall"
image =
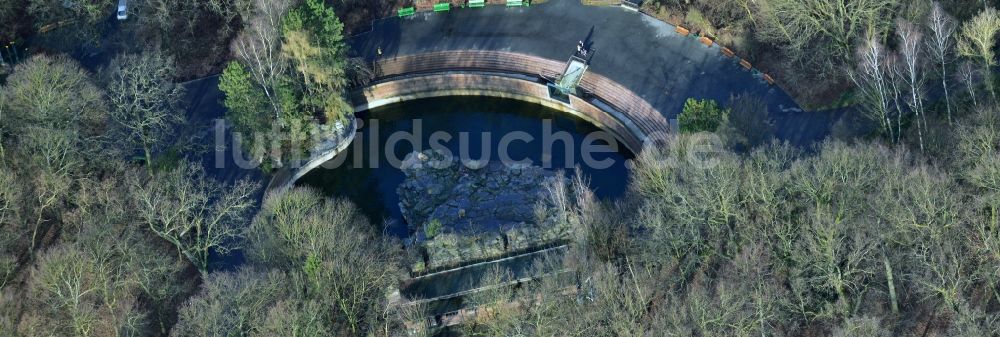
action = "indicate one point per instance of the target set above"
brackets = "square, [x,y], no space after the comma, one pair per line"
[632,107]
[285,178]
[496,85]
[495,73]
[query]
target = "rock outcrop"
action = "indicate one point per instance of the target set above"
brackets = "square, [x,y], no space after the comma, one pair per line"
[470,211]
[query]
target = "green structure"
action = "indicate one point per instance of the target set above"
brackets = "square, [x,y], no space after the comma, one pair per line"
[408,11]
[565,84]
[477,3]
[442,7]
[571,77]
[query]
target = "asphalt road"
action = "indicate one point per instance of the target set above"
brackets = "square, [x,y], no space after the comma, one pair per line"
[641,53]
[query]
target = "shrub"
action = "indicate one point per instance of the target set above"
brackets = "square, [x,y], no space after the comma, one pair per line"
[432,228]
[701,115]
[698,21]
[748,123]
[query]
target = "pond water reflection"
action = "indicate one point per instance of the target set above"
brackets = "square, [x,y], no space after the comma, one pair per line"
[472,129]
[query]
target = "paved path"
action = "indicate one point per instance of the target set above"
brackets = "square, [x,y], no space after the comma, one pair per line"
[641,53]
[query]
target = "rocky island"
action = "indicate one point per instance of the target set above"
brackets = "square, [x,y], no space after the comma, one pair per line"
[466,211]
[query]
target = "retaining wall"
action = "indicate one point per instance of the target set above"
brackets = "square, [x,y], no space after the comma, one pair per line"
[637,114]
[496,85]
[285,178]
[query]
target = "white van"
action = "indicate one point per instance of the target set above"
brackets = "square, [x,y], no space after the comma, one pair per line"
[122,10]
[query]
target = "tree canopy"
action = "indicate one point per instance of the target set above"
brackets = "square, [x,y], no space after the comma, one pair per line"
[296,57]
[701,116]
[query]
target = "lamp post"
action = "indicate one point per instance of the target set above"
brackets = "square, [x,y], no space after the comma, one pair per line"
[17,58]
[12,59]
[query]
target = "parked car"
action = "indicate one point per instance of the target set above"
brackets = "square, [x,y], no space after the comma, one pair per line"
[122,10]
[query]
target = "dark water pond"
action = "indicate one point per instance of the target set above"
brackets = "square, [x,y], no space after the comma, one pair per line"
[470,128]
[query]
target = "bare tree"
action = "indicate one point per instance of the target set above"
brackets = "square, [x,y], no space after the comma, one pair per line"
[910,41]
[738,301]
[354,282]
[836,239]
[940,43]
[195,213]
[3,129]
[980,168]
[175,16]
[12,227]
[66,280]
[359,71]
[917,213]
[943,272]
[835,259]
[862,327]
[233,303]
[970,321]
[83,292]
[622,294]
[52,155]
[494,314]
[558,194]
[229,11]
[834,24]
[294,318]
[137,263]
[977,39]
[896,83]
[52,92]
[259,47]
[144,100]
[874,84]
[748,124]
[967,73]
[343,261]
[9,12]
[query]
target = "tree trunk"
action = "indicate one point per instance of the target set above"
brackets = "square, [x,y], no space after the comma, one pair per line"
[839,288]
[989,82]
[149,159]
[918,109]
[972,90]
[890,283]
[38,224]
[947,97]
